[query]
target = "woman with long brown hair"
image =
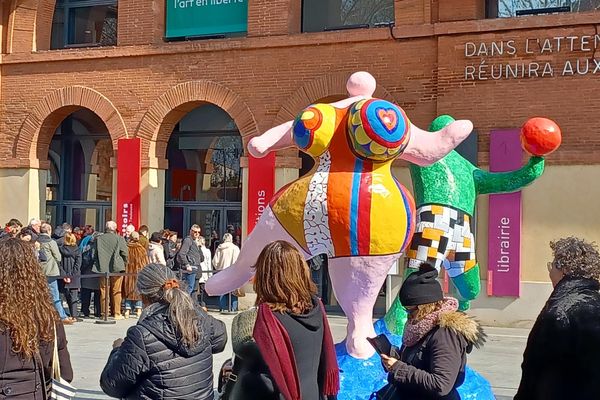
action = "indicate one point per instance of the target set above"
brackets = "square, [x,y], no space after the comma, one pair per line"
[27,322]
[283,348]
[168,354]
[136,260]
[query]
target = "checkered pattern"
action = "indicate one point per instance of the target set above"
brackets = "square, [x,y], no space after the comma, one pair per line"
[442,233]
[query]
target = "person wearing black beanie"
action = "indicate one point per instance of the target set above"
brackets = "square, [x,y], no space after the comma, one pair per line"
[436,340]
[421,287]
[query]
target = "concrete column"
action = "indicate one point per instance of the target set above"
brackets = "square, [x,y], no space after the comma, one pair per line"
[22,194]
[113,214]
[92,190]
[153,198]
[283,176]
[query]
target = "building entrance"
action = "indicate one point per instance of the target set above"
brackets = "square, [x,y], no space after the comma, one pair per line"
[80,180]
[204,180]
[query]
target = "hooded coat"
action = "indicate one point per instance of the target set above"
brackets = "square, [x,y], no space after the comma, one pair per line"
[152,363]
[71,265]
[226,254]
[563,349]
[254,381]
[435,366]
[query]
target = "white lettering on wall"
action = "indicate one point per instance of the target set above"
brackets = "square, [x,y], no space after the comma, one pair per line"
[503,262]
[489,66]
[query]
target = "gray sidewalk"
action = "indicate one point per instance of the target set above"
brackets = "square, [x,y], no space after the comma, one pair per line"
[89,344]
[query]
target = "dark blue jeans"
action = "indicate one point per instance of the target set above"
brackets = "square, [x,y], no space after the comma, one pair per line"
[224,302]
[190,280]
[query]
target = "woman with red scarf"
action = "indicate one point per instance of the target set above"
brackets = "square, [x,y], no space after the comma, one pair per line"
[283,348]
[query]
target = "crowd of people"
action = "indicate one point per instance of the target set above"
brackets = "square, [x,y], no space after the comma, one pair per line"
[283,347]
[65,253]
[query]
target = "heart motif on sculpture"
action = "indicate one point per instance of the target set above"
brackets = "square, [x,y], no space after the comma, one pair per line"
[388,118]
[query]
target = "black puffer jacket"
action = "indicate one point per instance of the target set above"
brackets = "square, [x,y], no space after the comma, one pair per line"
[153,364]
[561,358]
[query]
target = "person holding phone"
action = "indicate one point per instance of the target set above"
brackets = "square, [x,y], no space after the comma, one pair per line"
[437,337]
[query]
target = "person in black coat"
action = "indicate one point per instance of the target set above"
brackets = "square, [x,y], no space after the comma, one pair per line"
[430,365]
[288,312]
[563,349]
[89,286]
[27,325]
[71,267]
[168,354]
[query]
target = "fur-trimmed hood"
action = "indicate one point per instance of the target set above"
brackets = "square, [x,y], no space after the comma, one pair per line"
[462,324]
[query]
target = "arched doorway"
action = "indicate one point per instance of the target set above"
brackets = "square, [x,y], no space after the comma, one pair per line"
[204,179]
[79,182]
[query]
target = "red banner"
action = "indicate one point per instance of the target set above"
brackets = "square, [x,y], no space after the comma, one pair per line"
[129,173]
[261,186]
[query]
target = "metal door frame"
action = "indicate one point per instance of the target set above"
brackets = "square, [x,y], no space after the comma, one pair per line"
[188,207]
[64,210]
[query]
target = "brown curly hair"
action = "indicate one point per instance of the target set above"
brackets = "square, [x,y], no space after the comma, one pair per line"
[26,309]
[283,279]
[576,257]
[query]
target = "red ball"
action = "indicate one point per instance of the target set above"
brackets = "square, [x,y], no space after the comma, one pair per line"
[540,136]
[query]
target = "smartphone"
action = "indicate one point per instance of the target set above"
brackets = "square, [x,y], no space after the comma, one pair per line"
[381,344]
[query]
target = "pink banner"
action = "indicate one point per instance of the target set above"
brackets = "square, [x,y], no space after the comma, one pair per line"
[504,226]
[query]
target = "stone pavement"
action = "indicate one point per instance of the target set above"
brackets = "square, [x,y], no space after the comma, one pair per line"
[89,344]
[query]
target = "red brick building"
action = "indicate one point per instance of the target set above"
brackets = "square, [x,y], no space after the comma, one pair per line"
[77,77]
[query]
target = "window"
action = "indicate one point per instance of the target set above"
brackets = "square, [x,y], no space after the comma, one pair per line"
[84,23]
[324,15]
[514,8]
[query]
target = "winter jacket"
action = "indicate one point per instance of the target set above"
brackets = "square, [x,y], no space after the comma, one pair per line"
[153,364]
[137,260]
[435,366]
[50,267]
[206,267]
[111,253]
[71,265]
[20,379]
[226,254]
[254,381]
[189,253]
[170,254]
[561,358]
[88,257]
[156,254]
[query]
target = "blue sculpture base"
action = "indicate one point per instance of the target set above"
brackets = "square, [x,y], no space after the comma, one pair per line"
[360,378]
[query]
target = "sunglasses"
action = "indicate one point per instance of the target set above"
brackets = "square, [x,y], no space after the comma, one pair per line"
[195,231]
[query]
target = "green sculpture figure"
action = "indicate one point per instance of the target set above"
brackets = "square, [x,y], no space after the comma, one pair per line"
[445,194]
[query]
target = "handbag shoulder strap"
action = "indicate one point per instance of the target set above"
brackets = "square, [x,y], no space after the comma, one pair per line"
[55,360]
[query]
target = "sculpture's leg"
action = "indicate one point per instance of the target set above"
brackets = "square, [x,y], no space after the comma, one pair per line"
[356,283]
[463,269]
[267,230]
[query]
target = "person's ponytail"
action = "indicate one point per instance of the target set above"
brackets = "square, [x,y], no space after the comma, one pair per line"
[183,315]
[158,284]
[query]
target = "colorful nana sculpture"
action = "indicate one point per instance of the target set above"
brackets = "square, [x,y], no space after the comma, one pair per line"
[349,206]
[446,192]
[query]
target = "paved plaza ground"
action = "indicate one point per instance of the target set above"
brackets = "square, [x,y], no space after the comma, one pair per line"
[89,344]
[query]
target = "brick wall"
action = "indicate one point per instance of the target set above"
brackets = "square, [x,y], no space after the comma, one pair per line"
[423,70]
